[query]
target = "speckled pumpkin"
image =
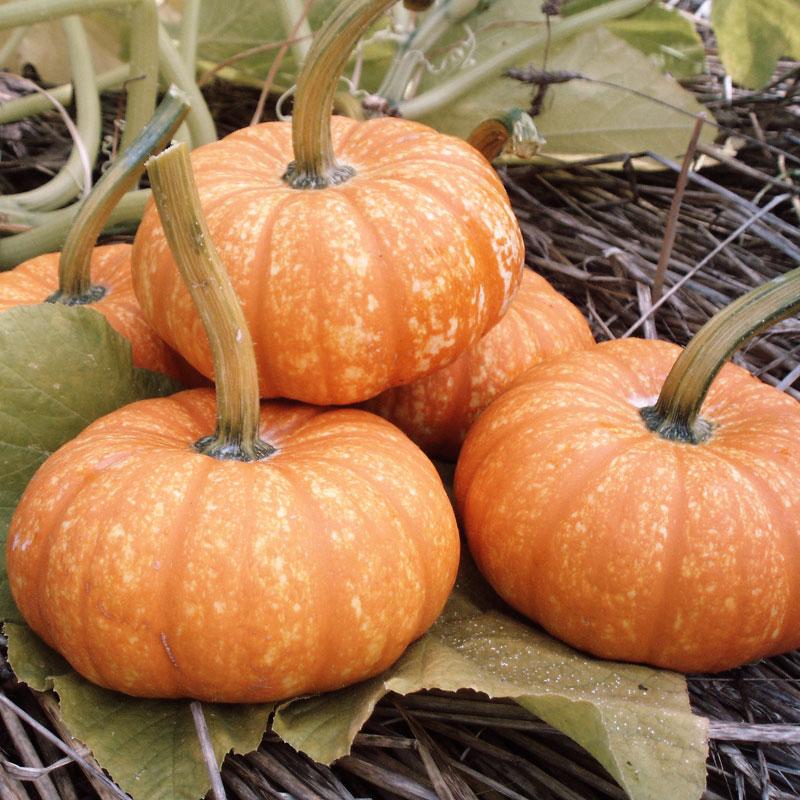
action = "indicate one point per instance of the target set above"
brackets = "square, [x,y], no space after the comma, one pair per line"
[158,571]
[628,545]
[353,288]
[437,411]
[33,281]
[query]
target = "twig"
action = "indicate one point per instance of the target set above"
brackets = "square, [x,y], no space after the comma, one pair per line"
[217,789]
[674,211]
[244,54]
[735,235]
[116,792]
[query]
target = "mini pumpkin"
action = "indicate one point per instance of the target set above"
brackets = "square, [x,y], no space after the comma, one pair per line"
[631,527]
[164,563]
[356,272]
[101,276]
[437,411]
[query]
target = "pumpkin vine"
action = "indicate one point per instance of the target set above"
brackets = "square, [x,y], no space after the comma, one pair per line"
[75,284]
[175,192]
[676,413]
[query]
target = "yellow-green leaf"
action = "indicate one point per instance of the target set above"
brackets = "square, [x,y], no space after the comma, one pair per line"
[149,747]
[635,720]
[753,34]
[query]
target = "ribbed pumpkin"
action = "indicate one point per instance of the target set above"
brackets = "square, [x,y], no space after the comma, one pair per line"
[437,411]
[164,563]
[356,273]
[100,277]
[159,571]
[36,280]
[628,544]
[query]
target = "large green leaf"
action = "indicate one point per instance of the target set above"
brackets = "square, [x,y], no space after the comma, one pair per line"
[231,27]
[666,35]
[649,110]
[753,34]
[149,747]
[635,720]
[60,369]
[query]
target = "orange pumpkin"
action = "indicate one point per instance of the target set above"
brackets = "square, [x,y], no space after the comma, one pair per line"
[437,411]
[36,280]
[357,272]
[83,274]
[159,571]
[628,544]
[165,563]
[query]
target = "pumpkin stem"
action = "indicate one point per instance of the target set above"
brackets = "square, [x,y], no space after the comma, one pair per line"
[676,414]
[516,126]
[175,193]
[74,277]
[315,165]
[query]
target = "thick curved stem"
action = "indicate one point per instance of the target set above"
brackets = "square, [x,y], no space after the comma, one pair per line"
[143,84]
[676,414]
[315,165]
[66,185]
[75,284]
[188,35]
[201,268]
[50,234]
[32,104]
[199,122]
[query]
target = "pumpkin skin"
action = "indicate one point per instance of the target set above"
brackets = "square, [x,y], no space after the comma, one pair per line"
[33,281]
[437,411]
[161,572]
[350,289]
[628,545]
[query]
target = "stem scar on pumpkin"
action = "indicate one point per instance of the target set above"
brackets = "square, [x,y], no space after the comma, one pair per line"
[676,414]
[236,437]
[75,279]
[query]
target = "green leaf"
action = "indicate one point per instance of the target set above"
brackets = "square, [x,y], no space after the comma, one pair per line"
[635,720]
[665,35]
[753,34]
[149,747]
[230,27]
[581,118]
[60,369]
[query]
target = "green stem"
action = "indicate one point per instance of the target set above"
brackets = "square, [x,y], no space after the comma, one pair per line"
[514,130]
[65,185]
[187,38]
[49,235]
[296,26]
[315,165]
[143,85]
[432,28]
[676,414]
[200,122]
[74,281]
[32,104]
[524,50]
[27,12]
[201,268]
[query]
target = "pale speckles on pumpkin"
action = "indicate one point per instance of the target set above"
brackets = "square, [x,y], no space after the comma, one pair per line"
[270,585]
[346,256]
[696,532]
